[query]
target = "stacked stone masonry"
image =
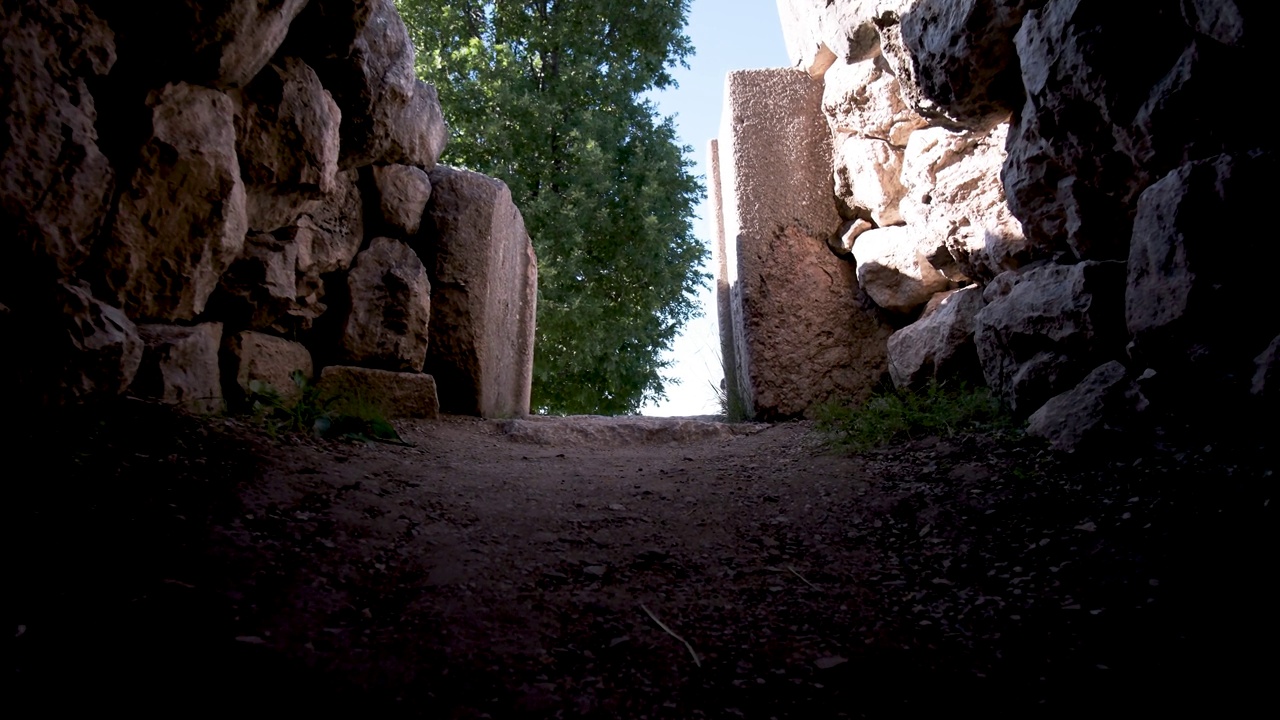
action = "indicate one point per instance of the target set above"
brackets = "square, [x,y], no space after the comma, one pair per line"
[1024,151]
[242,204]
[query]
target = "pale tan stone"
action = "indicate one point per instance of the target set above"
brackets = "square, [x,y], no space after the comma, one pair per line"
[392,394]
[259,362]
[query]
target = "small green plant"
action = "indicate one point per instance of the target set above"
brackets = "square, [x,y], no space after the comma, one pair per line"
[331,416]
[894,415]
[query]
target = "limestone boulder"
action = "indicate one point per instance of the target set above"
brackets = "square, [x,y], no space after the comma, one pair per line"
[364,56]
[390,292]
[180,366]
[1043,329]
[55,182]
[1084,414]
[803,332]
[484,278]
[95,351]
[330,234]
[1089,139]
[818,33]
[181,221]
[893,268]
[953,194]
[255,362]
[938,346]
[403,192]
[393,394]
[264,290]
[964,56]
[1181,281]
[287,139]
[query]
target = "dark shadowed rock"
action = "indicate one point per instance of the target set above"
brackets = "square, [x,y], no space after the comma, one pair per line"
[484,279]
[1045,328]
[287,139]
[1079,416]
[254,362]
[390,308]
[97,349]
[938,346]
[54,181]
[393,394]
[181,222]
[180,366]
[403,192]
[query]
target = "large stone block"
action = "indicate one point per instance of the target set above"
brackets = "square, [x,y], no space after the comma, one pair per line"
[390,308]
[182,220]
[253,362]
[54,181]
[288,143]
[484,279]
[1043,329]
[802,332]
[403,192]
[393,394]
[938,346]
[180,366]
[894,269]
[96,350]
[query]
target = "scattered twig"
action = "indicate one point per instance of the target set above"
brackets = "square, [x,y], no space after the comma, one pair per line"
[672,633]
[806,582]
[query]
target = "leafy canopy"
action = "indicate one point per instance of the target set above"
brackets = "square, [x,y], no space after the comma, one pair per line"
[547,95]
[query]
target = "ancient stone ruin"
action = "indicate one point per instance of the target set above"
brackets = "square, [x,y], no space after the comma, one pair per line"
[1046,197]
[249,198]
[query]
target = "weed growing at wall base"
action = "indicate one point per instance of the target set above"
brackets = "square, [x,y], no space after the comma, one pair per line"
[896,415]
[333,416]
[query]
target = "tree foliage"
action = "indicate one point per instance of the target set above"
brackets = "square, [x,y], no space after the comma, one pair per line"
[548,96]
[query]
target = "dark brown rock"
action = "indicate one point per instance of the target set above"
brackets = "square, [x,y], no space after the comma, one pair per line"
[390,308]
[180,366]
[392,394]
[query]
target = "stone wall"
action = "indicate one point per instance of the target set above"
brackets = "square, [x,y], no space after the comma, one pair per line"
[189,216]
[1073,169]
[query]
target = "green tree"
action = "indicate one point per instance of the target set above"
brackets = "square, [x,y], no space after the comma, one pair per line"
[548,95]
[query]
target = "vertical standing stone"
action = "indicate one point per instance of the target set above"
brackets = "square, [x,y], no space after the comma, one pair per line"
[484,292]
[728,358]
[803,334]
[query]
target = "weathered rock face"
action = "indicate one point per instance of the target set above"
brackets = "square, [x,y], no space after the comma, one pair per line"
[802,331]
[393,394]
[181,222]
[484,279]
[1075,418]
[938,346]
[288,144]
[1019,134]
[403,192]
[180,366]
[54,181]
[390,308]
[894,269]
[224,202]
[255,362]
[1043,329]
[364,56]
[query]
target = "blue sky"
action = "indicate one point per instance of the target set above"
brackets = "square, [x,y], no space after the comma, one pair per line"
[727,35]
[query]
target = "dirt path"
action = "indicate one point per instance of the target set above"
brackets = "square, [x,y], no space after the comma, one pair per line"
[628,569]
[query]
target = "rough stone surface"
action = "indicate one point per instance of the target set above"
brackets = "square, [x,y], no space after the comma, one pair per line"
[724,312]
[964,56]
[250,357]
[393,394]
[1182,283]
[953,194]
[938,346]
[1045,328]
[363,53]
[98,347]
[182,220]
[263,290]
[288,144]
[180,366]
[484,278]
[1077,417]
[54,181]
[818,33]
[870,125]
[803,333]
[390,308]
[1264,382]
[894,270]
[240,36]
[403,192]
[330,234]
